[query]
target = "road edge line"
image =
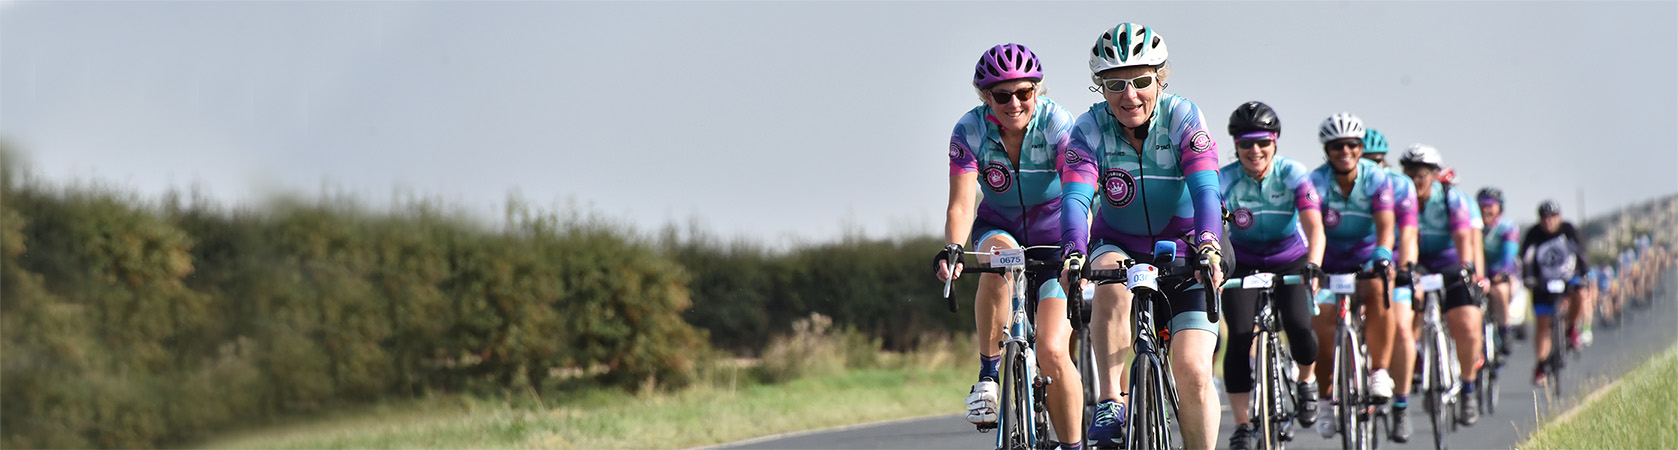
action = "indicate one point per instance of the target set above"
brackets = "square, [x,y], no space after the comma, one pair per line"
[821,430]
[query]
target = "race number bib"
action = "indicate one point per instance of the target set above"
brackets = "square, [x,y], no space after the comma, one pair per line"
[1556,286]
[1142,275]
[1430,282]
[1007,257]
[1343,283]
[1257,281]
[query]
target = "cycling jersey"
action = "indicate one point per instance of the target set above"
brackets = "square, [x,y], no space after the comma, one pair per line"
[1503,246]
[1443,213]
[1264,214]
[1165,192]
[1552,256]
[1023,201]
[1349,217]
[1404,203]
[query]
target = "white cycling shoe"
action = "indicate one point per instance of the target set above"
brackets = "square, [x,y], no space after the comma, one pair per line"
[1381,385]
[981,403]
[1325,419]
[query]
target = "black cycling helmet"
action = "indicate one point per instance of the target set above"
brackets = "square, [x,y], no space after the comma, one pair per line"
[1490,193]
[1253,116]
[1549,208]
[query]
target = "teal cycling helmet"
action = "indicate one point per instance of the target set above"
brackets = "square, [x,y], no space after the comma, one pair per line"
[1374,142]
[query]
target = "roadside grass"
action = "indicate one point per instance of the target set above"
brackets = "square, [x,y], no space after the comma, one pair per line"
[1640,412]
[816,378]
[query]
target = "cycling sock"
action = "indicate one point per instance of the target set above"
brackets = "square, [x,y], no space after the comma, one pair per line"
[1072,446]
[1468,387]
[1401,401]
[987,366]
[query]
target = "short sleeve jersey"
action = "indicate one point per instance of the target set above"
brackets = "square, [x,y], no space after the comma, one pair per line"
[1443,213]
[1164,191]
[1264,214]
[1015,198]
[1349,216]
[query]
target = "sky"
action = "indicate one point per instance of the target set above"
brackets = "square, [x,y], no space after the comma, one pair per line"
[790,121]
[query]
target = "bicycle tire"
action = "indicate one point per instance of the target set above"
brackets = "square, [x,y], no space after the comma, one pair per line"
[1287,389]
[1262,392]
[1015,416]
[1488,371]
[1434,384]
[1345,395]
[1087,371]
[1558,345]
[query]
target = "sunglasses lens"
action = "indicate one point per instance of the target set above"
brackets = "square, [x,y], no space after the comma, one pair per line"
[1142,82]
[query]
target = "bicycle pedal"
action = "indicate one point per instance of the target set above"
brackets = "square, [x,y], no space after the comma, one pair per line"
[985,427]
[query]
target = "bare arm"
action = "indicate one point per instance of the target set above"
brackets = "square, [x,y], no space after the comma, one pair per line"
[1312,221]
[1464,239]
[958,216]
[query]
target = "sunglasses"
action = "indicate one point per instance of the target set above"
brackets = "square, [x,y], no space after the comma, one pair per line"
[1118,84]
[1245,143]
[1375,157]
[1340,145]
[1024,95]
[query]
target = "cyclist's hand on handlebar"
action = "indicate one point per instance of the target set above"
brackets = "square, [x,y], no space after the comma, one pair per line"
[943,262]
[1073,264]
[1213,260]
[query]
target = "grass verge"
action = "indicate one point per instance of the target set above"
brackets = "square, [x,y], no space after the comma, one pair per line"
[1639,412]
[818,377]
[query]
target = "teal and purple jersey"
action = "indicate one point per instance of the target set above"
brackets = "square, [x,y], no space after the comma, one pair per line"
[1503,246]
[1440,216]
[1165,191]
[1349,216]
[1264,214]
[1404,204]
[1023,201]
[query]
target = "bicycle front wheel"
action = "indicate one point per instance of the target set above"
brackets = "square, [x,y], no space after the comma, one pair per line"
[1015,417]
[1151,429]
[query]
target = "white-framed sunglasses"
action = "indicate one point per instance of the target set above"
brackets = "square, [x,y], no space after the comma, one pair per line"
[1118,84]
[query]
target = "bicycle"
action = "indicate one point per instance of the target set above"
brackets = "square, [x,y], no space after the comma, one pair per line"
[1354,406]
[1152,390]
[1493,360]
[1083,351]
[1275,391]
[1554,362]
[1436,357]
[1023,400]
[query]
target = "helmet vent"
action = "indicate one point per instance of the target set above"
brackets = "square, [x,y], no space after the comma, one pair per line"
[1156,42]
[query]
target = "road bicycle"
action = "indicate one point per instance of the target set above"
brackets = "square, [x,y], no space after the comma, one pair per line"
[1436,356]
[1275,390]
[1023,416]
[1152,391]
[1354,407]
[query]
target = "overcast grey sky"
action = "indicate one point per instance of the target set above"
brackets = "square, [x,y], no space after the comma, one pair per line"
[780,119]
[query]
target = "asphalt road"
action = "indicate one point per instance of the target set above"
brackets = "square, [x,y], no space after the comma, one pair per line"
[1615,351]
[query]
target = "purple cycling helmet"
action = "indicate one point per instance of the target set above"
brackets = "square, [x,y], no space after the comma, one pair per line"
[1006,62]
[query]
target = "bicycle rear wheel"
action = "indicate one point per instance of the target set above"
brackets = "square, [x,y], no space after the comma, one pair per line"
[1488,372]
[1434,385]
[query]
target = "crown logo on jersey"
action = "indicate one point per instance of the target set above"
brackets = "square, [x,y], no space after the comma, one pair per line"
[1243,218]
[997,177]
[1331,217]
[1120,187]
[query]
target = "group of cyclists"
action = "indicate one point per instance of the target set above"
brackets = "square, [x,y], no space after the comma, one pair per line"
[1141,166]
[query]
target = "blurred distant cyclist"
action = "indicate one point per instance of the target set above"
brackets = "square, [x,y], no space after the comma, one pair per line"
[1014,139]
[1551,254]
[1503,254]
[1156,166]
[1276,226]
[1447,247]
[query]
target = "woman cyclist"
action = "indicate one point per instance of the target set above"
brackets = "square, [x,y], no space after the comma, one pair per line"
[1358,226]
[1157,169]
[1014,139]
[1403,364]
[1276,226]
[1503,247]
[1447,248]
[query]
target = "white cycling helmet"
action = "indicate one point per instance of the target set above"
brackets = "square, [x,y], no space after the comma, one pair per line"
[1422,154]
[1127,45]
[1340,126]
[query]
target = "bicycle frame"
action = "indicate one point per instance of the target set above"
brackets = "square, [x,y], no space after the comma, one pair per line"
[1353,405]
[1437,358]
